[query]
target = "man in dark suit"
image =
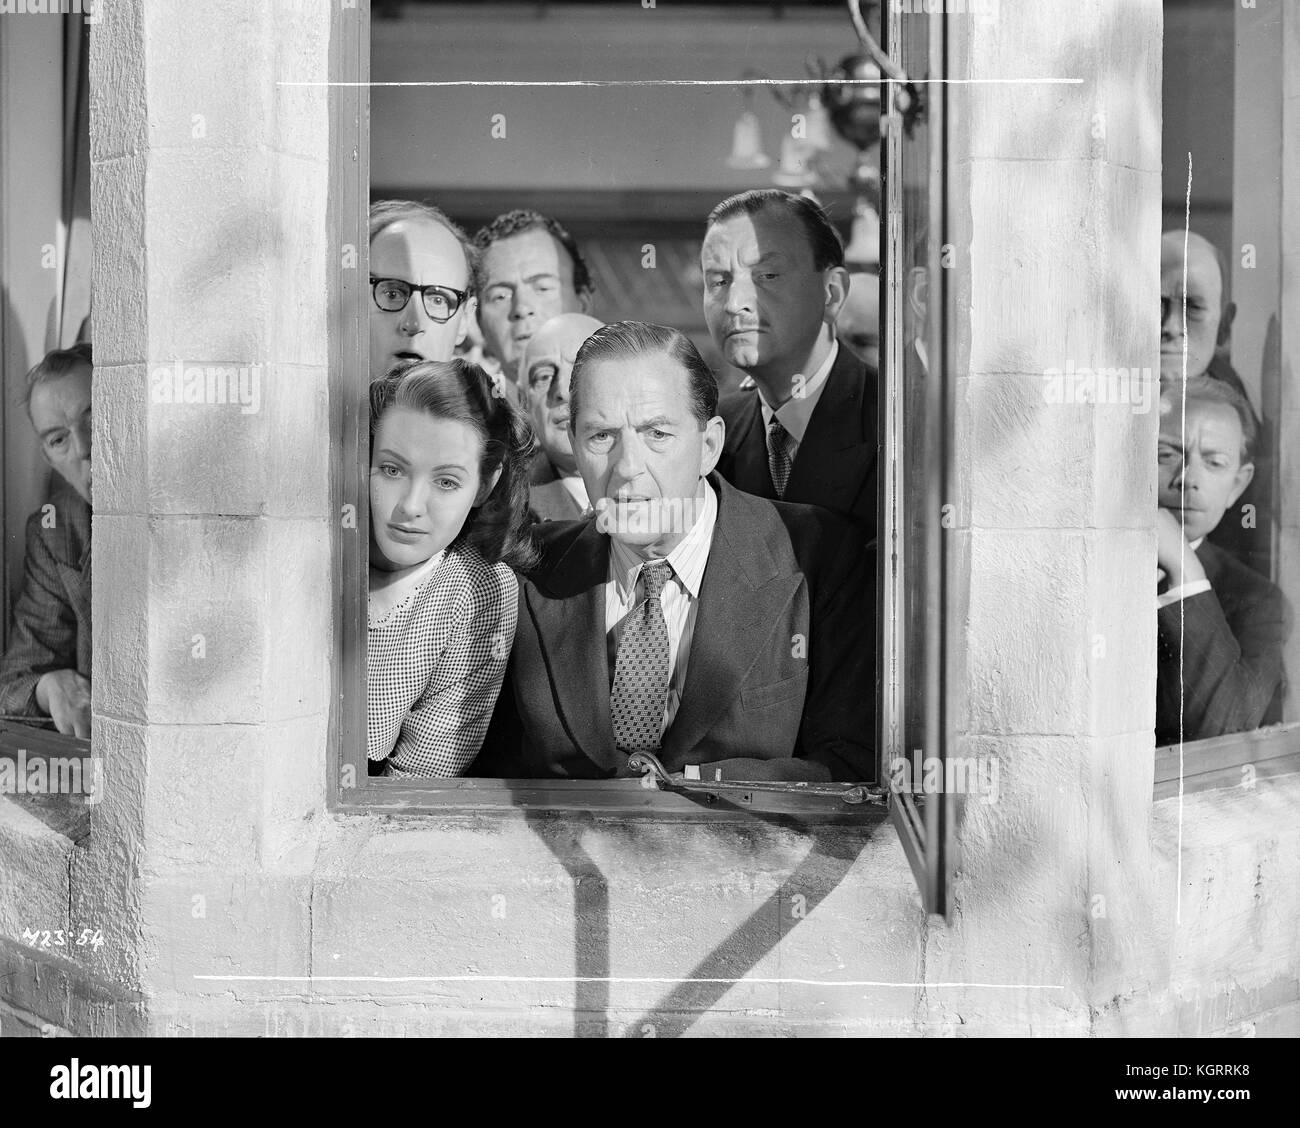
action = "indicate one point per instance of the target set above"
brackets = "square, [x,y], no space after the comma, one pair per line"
[774,284]
[544,370]
[1221,625]
[725,633]
[46,669]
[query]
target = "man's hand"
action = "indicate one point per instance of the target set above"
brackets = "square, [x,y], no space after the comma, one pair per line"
[1175,556]
[65,696]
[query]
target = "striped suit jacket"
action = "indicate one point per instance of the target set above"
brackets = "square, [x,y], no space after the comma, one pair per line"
[51,617]
[435,666]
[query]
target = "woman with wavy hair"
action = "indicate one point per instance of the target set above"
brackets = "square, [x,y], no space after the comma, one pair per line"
[448,523]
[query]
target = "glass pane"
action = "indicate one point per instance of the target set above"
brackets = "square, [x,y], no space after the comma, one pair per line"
[1228,572]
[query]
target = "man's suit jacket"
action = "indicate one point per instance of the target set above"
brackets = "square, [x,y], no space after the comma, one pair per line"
[781,661]
[552,502]
[1231,654]
[836,464]
[51,617]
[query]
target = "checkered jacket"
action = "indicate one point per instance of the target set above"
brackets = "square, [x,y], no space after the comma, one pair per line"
[51,616]
[436,663]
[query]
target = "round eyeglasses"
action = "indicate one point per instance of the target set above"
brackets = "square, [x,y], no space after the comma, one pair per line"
[440,302]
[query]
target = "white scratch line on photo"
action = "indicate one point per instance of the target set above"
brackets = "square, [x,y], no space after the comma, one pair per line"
[602,979]
[719,82]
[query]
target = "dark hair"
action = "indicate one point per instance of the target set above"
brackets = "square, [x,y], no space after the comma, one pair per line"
[53,366]
[384,213]
[522,219]
[823,240]
[461,391]
[626,339]
[1206,389]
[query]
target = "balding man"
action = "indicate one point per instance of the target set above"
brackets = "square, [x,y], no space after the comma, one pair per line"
[1246,529]
[544,374]
[421,277]
[1209,312]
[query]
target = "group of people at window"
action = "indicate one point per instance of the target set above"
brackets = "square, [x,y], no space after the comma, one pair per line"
[580,550]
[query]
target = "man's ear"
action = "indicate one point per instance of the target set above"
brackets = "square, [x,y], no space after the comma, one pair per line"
[1244,477]
[468,310]
[836,285]
[585,302]
[918,293]
[1225,324]
[485,490]
[715,432]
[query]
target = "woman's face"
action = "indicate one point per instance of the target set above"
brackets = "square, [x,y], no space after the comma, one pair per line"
[424,479]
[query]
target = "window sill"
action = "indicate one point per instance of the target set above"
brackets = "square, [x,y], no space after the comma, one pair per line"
[64,810]
[621,797]
[1219,762]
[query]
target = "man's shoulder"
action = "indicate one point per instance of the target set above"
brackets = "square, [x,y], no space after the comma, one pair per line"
[739,400]
[812,531]
[555,541]
[1240,588]
[62,525]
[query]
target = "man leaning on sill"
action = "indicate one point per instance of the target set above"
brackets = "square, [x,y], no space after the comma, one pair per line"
[46,670]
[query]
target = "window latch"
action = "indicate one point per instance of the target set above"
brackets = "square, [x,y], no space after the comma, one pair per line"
[837,794]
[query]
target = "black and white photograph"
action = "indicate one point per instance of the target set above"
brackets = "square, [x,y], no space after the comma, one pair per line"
[649,519]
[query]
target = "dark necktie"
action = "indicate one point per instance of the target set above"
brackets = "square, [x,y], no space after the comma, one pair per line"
[636,702]
[778,455]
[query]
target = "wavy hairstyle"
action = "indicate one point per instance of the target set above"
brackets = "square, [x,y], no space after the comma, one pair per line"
[461,391]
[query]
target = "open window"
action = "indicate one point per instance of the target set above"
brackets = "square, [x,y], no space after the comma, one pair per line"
[636,203]
[45,262]
[1223,152]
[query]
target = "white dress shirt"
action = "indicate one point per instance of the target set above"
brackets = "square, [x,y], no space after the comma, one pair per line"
[679,599]
[1184,591]
[797,411]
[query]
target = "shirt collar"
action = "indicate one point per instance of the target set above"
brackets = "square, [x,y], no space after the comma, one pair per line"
[687,559]
[796,412]
[382,603]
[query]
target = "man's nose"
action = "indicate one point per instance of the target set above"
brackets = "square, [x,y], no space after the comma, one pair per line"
[1187,478]
[521,304]
[81,443]
[631,460]
[740,296]
[560,387]
[1171,322]
[415,319]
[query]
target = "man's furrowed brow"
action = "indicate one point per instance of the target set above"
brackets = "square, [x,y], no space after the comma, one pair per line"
[658,422]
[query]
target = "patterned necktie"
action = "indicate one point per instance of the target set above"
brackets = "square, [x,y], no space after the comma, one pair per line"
[636,702]
[778,455]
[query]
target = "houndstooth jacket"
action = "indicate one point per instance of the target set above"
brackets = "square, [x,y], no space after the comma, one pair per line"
[436,662]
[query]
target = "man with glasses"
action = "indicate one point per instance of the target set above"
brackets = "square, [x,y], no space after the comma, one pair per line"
[421,277]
